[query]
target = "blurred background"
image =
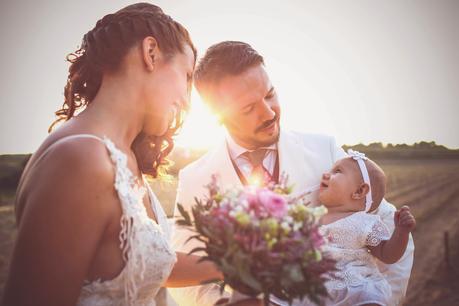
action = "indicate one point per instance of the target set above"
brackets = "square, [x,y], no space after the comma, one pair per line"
[381,77]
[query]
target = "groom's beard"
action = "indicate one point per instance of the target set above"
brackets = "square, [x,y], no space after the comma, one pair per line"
[253,138]
[270,142]
[257,142]
[267,123]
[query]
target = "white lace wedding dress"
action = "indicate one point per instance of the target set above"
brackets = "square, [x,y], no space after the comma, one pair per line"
[145,246]
[358,280]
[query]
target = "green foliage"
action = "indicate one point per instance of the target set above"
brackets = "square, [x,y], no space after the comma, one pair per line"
[11,167]
[421,150]
[186,221]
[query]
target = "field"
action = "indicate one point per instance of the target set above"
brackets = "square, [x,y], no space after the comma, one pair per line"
[431,189]
[429,186]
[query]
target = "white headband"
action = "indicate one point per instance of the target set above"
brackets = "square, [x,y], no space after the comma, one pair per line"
[360,158]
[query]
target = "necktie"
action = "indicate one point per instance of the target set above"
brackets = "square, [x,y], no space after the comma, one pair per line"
[259,175]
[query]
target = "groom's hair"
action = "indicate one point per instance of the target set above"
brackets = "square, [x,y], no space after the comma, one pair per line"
[227,58]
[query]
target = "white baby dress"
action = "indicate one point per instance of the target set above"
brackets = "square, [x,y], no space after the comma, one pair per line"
[358,280]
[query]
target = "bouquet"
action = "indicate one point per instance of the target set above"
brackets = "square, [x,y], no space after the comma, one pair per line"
[263,240]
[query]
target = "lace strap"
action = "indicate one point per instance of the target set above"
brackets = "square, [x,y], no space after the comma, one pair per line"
[131,199]
[125,183]
[116,155]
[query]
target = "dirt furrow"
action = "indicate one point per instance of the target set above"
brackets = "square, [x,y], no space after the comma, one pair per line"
[418,195]
[429,245]
[397,192]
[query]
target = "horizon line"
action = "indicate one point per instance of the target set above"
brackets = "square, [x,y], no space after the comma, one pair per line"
[384,144]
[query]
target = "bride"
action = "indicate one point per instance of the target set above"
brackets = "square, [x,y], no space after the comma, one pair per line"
[90,230]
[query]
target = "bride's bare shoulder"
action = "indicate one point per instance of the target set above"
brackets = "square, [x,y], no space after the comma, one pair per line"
[68,145]
[75,153]
[75,172]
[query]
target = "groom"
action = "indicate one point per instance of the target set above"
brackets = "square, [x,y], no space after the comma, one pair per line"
[231,78]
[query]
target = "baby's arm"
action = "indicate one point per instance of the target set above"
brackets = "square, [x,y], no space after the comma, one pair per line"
[390,251]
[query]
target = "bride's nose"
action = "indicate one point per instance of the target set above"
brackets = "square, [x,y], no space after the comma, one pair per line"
[326,176]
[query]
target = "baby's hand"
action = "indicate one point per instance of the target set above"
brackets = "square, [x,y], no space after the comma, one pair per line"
[404,220]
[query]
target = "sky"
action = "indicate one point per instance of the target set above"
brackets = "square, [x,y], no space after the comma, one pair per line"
[362,71]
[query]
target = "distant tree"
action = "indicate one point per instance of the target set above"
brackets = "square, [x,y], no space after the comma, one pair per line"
[376,146]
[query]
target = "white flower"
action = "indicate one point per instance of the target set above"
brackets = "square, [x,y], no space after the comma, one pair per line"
[318,211]
[288,219]
[297,226]
[285,226]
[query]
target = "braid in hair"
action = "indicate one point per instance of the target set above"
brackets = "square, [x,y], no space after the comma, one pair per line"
[102,49]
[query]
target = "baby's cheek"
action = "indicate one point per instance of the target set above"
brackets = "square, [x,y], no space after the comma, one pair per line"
[337,193]
[321,196]
[325,197]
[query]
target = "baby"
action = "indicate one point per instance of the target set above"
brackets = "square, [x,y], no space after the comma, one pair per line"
[354,187]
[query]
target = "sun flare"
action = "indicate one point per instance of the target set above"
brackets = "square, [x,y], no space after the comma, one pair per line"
[201,129]
[255,181]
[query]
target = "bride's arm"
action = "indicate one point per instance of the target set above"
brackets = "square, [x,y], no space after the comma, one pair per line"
[60,228]
[188,272]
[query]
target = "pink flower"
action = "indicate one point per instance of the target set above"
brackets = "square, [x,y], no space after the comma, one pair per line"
[316,238]
[275,204]
[219,212]
[252,201]
[213,186]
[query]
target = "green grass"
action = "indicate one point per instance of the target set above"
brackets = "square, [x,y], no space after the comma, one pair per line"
[7,237]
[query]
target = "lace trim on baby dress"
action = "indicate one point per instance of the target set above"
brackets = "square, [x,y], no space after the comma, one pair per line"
[378,233]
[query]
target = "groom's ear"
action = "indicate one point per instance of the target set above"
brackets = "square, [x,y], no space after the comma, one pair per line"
[150,52]
[361,192]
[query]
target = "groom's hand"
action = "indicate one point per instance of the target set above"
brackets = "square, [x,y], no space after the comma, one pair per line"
[404,220]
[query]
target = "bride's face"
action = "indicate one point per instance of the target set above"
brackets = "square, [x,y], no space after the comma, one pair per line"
[248,107]
[169,91]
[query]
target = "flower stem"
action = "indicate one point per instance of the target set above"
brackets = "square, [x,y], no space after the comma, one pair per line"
[266,299]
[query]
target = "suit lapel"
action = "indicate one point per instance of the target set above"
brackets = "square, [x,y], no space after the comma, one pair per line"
[291,160]
[221,160]
[296,162]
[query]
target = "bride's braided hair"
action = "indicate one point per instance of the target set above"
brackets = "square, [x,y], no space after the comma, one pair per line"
[103,48]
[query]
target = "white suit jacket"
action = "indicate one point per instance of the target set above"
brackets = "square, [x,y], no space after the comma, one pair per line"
[304,158]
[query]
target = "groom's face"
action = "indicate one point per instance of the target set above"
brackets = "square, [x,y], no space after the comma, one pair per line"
[248,107]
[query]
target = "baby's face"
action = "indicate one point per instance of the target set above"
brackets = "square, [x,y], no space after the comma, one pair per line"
[338,185]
